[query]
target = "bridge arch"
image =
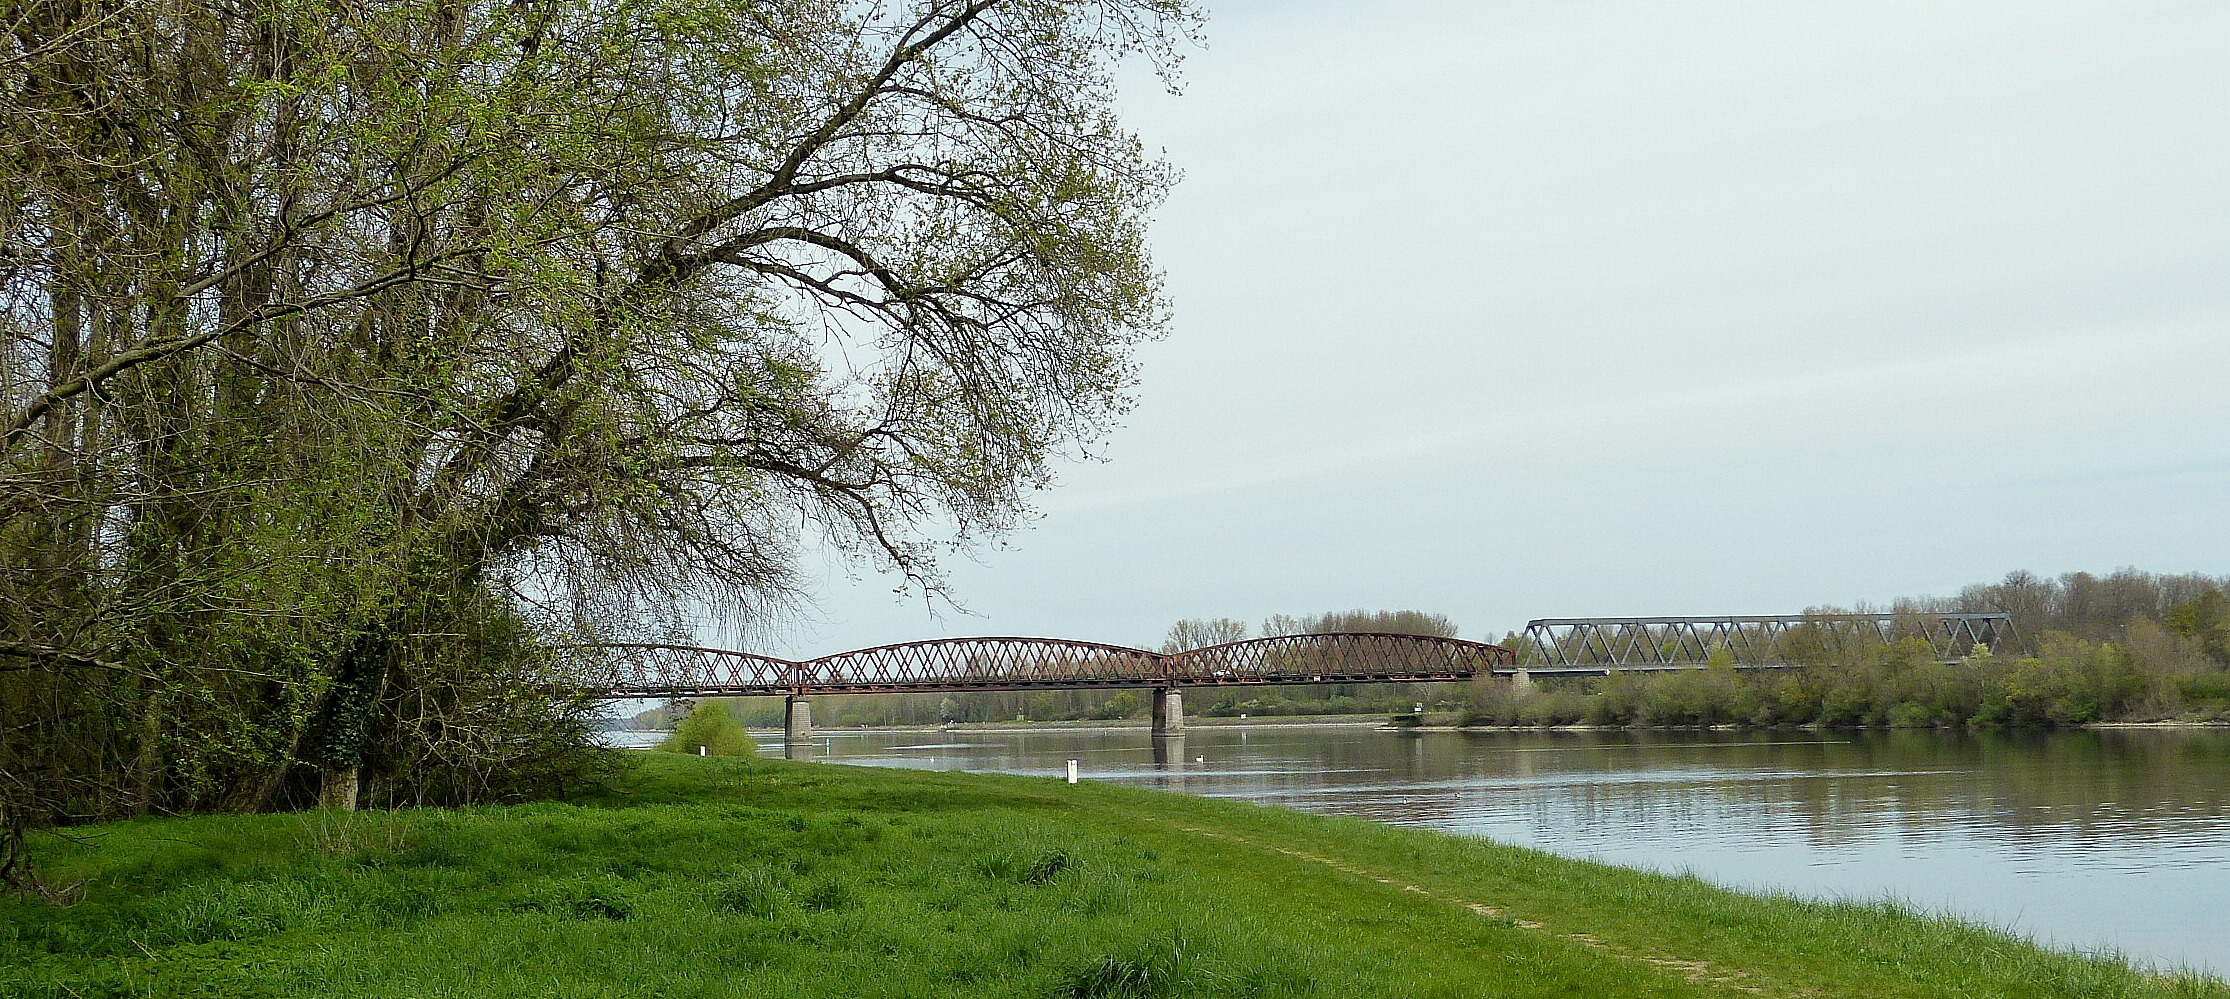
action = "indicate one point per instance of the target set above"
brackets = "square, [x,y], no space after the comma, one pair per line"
[989,663]
[1337,657]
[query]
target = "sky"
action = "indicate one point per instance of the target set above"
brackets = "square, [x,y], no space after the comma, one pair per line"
[1518,310]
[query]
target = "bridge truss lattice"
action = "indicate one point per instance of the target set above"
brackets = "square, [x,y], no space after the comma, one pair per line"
[1009,663]
[1601,644]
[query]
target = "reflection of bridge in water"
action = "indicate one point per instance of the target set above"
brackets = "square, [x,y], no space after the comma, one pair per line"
[963,664]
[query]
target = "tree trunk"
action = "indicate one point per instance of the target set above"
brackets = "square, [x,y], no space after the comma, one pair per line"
[337,788]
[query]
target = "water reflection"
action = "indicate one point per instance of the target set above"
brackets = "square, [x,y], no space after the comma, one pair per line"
[2117,838]
[1169,761]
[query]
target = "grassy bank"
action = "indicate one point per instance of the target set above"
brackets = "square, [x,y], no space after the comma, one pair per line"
[719,877]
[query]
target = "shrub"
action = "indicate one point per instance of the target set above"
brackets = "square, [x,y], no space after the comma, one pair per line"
[1915,715]
[711,725]
[1555,707]
[2206,691]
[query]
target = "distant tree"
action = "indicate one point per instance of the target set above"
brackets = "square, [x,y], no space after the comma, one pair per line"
[1196,633]
[2207,619]
[1282,624]
[2080,603]
[1123,705]
[2032,600]
[1400,622]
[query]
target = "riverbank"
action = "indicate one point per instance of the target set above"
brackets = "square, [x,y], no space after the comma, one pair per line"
[743,877]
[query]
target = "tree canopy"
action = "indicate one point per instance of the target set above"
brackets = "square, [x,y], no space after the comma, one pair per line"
[359,358]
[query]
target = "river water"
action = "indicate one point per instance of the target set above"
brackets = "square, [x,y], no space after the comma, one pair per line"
[2112,838]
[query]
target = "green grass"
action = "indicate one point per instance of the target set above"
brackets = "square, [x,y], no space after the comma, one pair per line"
[740,877]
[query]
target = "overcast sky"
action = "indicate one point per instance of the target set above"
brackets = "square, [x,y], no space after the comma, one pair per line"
[1523,310]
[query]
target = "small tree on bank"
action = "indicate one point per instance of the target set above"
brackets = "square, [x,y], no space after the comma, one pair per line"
[712,727]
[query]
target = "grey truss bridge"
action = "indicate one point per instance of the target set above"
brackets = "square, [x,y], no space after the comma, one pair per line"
[961,664]
[1583,645]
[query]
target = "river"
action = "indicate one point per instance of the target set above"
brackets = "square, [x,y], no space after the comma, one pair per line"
[2110,838]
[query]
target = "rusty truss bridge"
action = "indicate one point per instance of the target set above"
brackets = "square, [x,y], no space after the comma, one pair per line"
[1583,645]
[963,664]
[955,664]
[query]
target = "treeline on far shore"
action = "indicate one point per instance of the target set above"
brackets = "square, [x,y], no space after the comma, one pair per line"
[2126,646]
[2154,675]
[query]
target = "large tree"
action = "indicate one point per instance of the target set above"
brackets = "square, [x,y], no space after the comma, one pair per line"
[359,356]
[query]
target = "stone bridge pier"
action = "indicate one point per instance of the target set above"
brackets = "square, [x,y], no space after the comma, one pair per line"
[1169,712]
[797,727]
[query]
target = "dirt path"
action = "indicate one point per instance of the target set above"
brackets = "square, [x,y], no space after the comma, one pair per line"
[1701,972]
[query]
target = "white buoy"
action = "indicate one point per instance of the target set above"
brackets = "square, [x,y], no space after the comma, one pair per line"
[1072,771]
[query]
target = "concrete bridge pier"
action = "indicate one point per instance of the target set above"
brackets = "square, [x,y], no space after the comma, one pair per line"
[1522,681]
[1169,712]
[797,727]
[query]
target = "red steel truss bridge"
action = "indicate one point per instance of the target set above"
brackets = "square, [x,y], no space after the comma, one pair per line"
[960,664]
[1602,644]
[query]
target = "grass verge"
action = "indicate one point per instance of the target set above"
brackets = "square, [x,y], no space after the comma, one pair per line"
[744,877]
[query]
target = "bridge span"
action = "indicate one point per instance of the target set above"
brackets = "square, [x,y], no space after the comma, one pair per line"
[963,664]
[1549,646]
[1597,645]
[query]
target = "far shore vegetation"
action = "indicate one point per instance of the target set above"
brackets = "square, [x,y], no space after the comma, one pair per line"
[2128,646]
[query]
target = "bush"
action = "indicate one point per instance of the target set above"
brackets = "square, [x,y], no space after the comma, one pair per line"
[1555,707]
[711,725]
[1917,715]
[2205,691]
